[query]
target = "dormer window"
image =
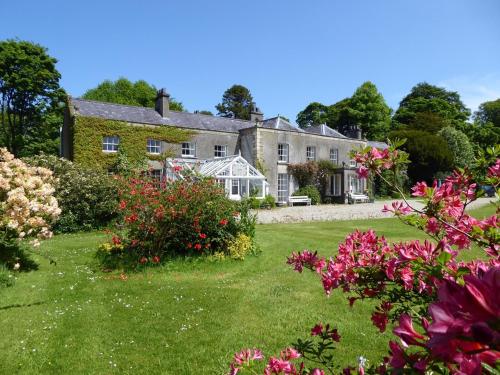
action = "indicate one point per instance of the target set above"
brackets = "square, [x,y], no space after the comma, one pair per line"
[110,143]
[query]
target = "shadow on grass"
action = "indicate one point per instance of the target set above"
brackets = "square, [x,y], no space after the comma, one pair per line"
[12,252]
[18,305]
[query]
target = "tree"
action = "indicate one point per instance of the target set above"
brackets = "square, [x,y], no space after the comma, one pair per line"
[314,114]
[429,154]
[123,91]
[236,103]
[29,91]
[370,111]
[459,145]
[428,98]
[488,112]
[428,122]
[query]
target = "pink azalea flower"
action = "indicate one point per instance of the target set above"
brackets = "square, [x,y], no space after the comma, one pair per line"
[420,189]
[362,172]
[317,330]
[406,332]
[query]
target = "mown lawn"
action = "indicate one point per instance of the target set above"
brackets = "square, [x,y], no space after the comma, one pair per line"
[183,318]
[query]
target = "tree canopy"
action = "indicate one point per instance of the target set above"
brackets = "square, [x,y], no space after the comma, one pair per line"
[366,108]
[314,114]
[123,91]
[488,113]
[429,98]
[429,154]
[459,145]
[236,103]
[29,94]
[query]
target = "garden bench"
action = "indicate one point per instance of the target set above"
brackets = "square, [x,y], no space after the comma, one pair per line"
[299,199]
[358,198]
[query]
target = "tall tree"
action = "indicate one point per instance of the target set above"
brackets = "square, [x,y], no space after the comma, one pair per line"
[371,112]
[29,91]
[314,114]
[123,91]
[428,98]
[429,154]
[459,145]
[236,103]
[488,112]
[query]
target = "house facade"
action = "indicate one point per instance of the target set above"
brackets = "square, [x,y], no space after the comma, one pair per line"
[269,145]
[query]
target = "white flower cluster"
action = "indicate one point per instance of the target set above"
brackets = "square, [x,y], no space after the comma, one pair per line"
[27,206]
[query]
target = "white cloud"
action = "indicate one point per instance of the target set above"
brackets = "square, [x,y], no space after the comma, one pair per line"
[474,90]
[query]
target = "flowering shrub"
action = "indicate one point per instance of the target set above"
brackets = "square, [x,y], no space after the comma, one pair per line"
[27,205]
[88,198]
[187,217]
[453,304]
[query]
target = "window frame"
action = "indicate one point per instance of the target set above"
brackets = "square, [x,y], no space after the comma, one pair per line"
[334,155]
[191,148]
[222,150]
[283,192]
[107,141]
[311,153]
[283,152]
[156,145]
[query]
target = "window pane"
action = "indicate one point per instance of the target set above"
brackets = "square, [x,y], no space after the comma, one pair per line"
[188,149]
[153,146]
[220,151]
[110,143]
[311,153]
[334,155]
[283,152]
[282,187]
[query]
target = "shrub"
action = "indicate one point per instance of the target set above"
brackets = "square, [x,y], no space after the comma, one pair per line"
[305,173]
[88,198]
[187,217]
[311,191]
[240,246]
[268,202]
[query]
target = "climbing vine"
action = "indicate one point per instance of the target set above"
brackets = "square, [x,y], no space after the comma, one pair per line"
[88,133]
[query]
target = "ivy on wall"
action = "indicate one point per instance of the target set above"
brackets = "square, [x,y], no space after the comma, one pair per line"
[88,134]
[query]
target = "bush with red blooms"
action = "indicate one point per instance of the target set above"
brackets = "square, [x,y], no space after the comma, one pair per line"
[454,305]
[186,217]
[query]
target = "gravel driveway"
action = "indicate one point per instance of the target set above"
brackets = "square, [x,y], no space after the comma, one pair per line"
[328,212]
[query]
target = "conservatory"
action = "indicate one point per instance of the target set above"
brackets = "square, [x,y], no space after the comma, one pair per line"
[234,173]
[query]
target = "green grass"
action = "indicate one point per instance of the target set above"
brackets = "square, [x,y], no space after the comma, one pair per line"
[183,318]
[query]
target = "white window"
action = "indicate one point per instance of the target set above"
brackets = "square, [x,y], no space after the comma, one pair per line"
[220,151]
[355,184]
[189,149]
[334,155]
[235,187]
[352,163]
[283,187]
[283,152]
[311,153]
[110,144]
[335,184]
[153,146]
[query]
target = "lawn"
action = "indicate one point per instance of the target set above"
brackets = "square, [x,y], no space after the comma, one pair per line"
[187,317]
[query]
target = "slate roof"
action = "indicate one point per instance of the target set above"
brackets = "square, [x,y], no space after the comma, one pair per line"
[280,123]
[324,130]
[379,145]
[143,115]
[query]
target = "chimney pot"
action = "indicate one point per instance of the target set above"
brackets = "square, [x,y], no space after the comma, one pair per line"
[162,102]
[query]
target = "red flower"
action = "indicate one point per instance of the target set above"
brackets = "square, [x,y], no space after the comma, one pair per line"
[143,260]
[189,245]
[317,330]
[203,235]
[223,222]
[123,205]
[197,246]
[156,259]
[116,240]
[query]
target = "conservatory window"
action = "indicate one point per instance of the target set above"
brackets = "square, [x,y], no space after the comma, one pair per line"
[189,149]
[311,153]
[110,143]
[220,151]
[153,146]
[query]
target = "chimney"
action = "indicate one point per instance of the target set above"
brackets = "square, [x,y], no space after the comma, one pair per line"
[256,114]
[162,102]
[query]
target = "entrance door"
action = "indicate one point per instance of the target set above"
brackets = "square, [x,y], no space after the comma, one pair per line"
[235,189]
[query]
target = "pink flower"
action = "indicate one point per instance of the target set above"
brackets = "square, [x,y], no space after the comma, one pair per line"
[290,353]
[494,170]
[278,366]
[420,189]
[317,330]
[407,277]
[363,172]
[317,371]
[406,332]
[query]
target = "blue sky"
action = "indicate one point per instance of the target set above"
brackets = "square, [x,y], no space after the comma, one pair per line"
[287,52]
